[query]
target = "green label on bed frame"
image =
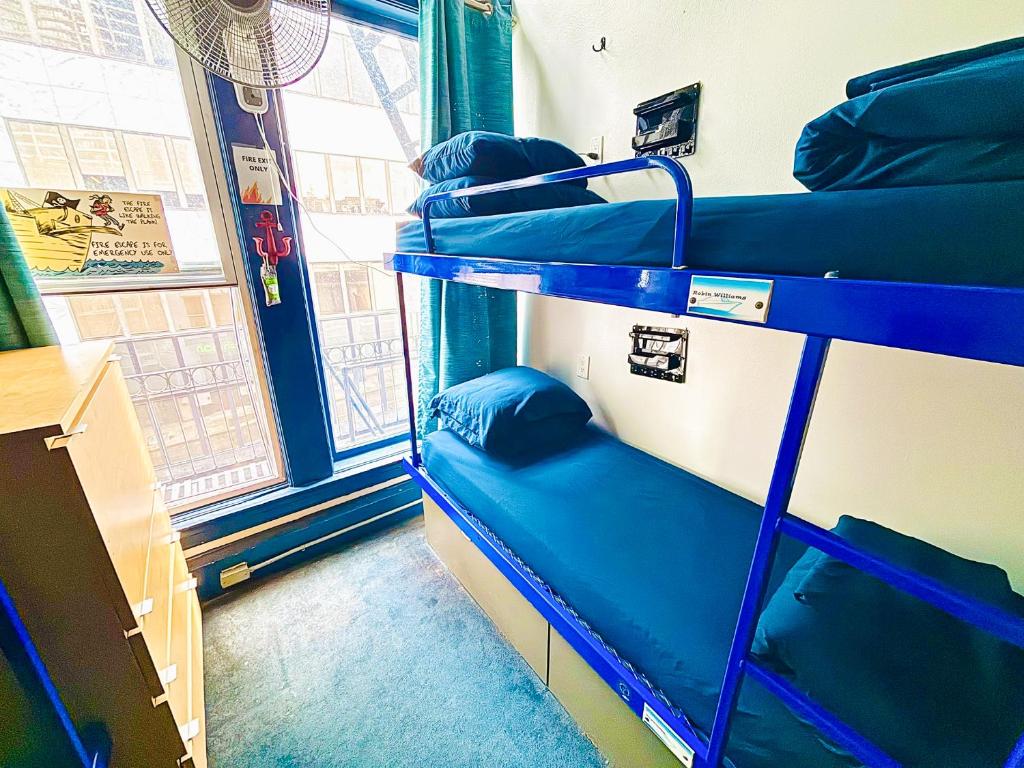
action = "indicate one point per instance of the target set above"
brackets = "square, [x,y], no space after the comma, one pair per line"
[668,737]
[730,298]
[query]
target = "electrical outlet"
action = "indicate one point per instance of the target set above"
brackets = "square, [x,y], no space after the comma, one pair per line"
[597,148]
[583,367]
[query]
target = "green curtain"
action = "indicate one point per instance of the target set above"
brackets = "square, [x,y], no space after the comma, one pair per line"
[466,76]
[23,320]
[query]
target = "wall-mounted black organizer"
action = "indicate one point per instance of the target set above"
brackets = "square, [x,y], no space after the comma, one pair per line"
[667,124]
[659,353]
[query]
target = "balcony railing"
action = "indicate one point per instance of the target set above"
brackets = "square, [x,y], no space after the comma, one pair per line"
[365,381]
[202,426]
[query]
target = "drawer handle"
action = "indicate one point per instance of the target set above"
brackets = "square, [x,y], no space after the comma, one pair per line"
[169,674]
[189,730]
[143,608]
[61,441]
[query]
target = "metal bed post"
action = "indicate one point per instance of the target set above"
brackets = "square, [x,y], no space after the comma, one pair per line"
[407,359]
[1016,758]
[94,750]
[801,404]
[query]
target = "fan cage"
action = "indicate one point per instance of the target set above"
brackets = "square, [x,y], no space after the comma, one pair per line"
[265,44]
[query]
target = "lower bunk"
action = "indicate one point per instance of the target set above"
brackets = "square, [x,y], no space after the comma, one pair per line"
[600,557]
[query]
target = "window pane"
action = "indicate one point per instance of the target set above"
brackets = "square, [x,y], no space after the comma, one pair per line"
[99,159]
[150,163]
[144,313]
[13,23]
[346,184]
[194,390]
[160,43]
[220,300]
[359,80]
[313,187]
[328,291]
[96,317]
[357,287]
[190,174]
[42,154]
[375,187]
[405,187]
[333,71]
[117,29]
[367,188]
[61,24]
[188,310]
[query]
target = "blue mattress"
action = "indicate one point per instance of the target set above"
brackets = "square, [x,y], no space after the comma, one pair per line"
[963,234]
[654,558]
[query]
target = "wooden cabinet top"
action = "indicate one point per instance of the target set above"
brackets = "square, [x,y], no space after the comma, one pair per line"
[46,386]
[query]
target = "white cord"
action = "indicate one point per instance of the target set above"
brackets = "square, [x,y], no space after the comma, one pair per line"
[284,177]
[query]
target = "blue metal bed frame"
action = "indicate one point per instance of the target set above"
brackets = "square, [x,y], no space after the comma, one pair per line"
[960,321]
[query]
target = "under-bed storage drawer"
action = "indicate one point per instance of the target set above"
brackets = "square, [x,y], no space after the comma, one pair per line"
[620,736]
[604,717]
[512,613]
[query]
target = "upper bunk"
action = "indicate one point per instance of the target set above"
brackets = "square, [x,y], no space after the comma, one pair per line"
[935,269]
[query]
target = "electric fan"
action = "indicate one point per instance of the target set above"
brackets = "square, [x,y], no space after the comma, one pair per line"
[259,43]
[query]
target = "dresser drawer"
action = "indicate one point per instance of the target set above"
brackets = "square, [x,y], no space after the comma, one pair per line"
[197,697]
[156,622]
[117,477]
[183,593]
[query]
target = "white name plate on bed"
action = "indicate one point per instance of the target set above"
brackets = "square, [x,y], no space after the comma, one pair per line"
[729,298]
[668,737]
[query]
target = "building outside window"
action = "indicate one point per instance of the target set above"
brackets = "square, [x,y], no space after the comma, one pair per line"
[355,185]
[91,99]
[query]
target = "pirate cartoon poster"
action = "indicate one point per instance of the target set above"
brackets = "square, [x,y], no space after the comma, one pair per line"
[67,233]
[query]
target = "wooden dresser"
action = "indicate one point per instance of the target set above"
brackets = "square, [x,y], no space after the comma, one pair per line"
[90,560]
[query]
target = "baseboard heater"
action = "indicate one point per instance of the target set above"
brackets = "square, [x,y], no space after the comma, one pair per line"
[240,572]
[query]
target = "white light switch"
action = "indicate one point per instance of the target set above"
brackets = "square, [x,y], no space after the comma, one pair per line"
[583,367]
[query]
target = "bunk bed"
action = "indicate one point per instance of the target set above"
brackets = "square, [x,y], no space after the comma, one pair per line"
[876,283]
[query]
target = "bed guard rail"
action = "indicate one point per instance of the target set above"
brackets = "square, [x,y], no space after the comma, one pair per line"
[680,178]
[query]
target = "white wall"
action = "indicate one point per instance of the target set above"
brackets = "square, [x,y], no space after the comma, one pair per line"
[930,446]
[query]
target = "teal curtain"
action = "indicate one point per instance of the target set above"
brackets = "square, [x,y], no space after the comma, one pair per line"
[23,320]
[466,76]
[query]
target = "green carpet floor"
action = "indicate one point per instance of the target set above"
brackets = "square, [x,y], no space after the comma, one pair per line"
[374,656]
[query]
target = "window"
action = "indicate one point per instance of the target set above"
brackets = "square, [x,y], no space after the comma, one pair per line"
[329,296]
[357,288]
[355,186]
[13,23]
[345,175]
[117,28]
[99,159]
[61,24]
[314,189]
[43,156]
[93,101]
[150,163]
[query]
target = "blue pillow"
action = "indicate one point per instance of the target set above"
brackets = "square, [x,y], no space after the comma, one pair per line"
[927,688]
[512,411]
[495,155]
[546,196]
